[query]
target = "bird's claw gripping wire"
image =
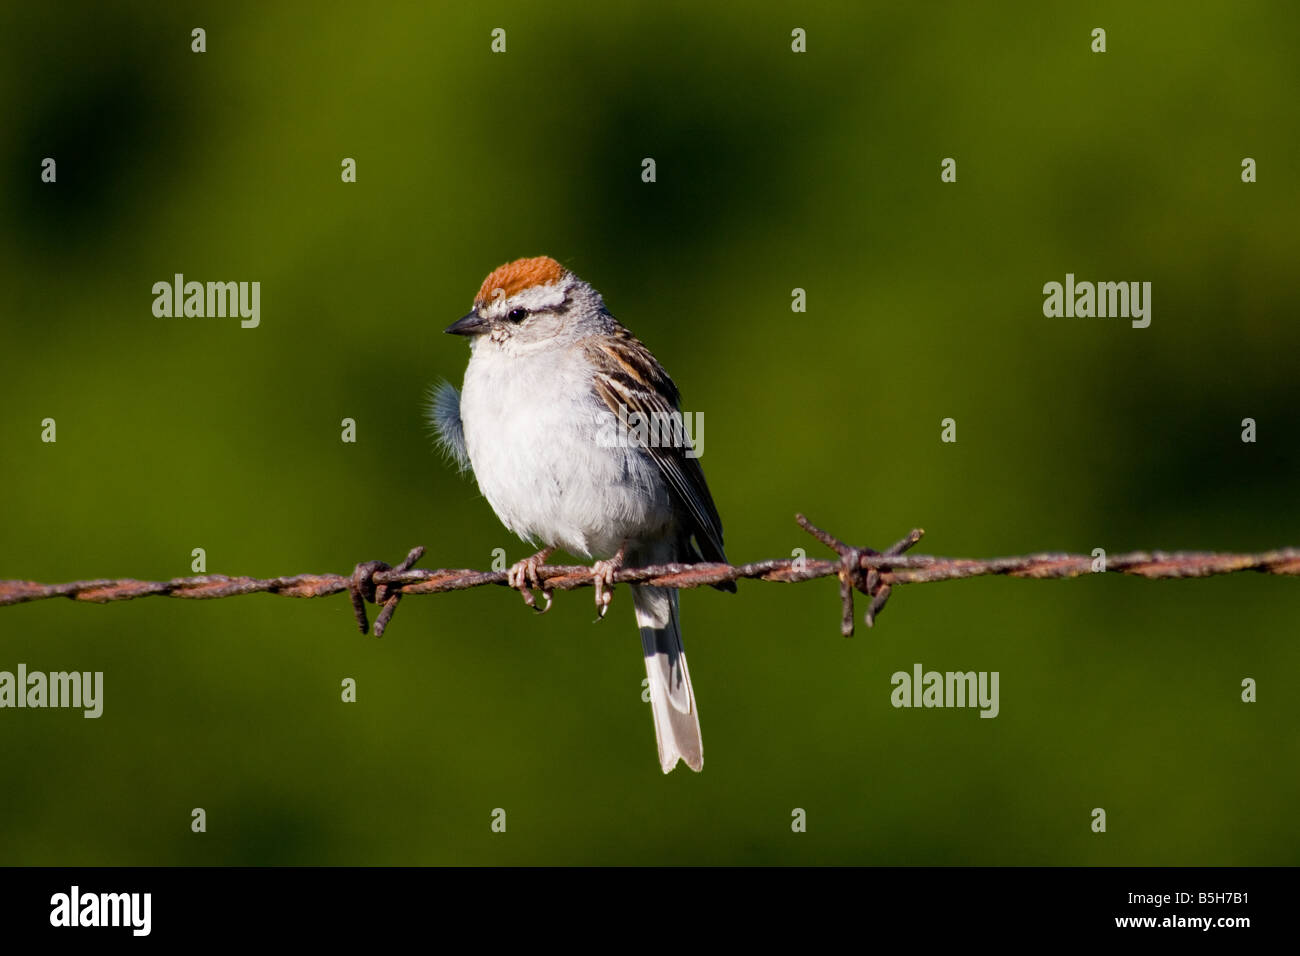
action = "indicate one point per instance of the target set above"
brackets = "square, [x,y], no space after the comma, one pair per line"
[523,577]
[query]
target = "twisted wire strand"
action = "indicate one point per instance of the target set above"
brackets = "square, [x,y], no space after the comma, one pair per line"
[862,569]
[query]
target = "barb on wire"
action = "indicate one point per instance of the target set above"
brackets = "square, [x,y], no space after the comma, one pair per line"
[874,573]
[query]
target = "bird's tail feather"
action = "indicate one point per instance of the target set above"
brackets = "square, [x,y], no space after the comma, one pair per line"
[672,701]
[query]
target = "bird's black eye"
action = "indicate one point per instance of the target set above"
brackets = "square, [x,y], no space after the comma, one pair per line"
[517,315]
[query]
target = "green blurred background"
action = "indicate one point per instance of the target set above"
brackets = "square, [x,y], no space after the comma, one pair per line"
[775,171]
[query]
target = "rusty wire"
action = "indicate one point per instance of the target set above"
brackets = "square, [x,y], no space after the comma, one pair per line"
[873,573]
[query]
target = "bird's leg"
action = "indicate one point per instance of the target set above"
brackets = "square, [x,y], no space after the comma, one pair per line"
[603,574]
[523,577]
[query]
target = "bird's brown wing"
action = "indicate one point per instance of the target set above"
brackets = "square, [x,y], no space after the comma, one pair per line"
[626,374]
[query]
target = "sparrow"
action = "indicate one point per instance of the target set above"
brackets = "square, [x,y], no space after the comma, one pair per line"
[550,371]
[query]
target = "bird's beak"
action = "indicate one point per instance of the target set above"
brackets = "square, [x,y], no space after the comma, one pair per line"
[472,324]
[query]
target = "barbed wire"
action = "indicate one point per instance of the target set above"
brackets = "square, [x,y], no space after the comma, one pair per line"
[871,572]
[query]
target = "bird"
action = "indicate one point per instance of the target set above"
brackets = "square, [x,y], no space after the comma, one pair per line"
[542,422]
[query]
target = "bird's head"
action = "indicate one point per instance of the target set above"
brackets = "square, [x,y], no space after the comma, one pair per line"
[529,303]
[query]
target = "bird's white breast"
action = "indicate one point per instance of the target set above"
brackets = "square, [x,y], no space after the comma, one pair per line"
[542,460]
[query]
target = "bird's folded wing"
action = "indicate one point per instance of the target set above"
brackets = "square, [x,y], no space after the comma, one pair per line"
[627,375]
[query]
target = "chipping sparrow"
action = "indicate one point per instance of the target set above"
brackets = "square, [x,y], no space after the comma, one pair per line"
[549,369]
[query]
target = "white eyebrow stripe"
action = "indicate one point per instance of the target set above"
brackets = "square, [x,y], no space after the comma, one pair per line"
[535,299]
